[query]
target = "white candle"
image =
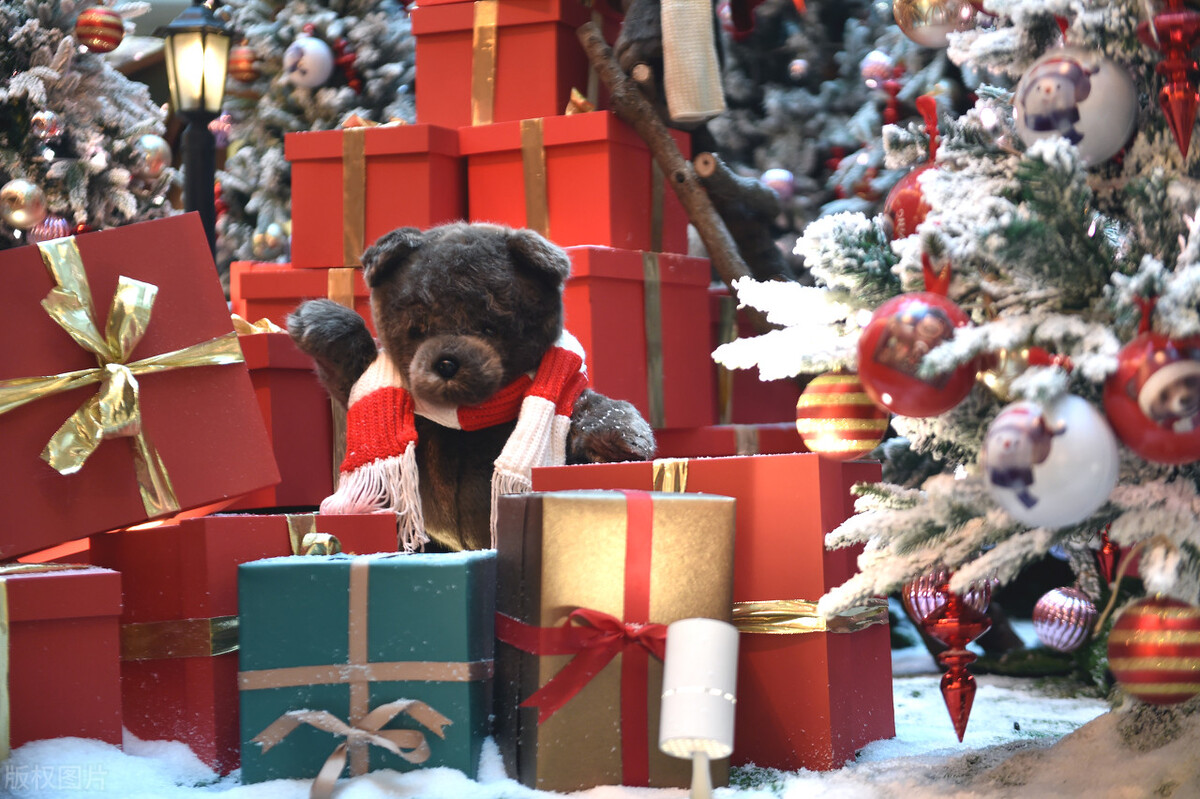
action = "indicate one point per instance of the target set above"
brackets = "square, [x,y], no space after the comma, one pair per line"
[699,689]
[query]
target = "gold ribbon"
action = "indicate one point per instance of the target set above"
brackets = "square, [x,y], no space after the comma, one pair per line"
[245,328]
[6,571]
[670,475]
[339,287]
[359,672]
[533,159]
[305,540]
[652,311]
[793,616]
[408,744]
[354,195]
[657,187]
[115,409]
[179,638]
[483,62]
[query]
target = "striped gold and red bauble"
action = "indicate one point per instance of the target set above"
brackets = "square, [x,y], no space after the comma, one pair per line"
[1154,650]
[836,418]
[100,29]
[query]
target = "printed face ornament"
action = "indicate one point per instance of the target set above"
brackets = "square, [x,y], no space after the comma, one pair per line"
[1052,96]
[1170,396]
[910,336]
[1019,439]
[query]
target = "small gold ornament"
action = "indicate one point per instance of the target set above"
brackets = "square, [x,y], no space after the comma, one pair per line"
[1001,368]
[928,22]
[22,204]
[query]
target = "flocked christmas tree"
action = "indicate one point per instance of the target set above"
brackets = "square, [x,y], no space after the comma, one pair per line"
[1034,331]
[81,145]
[302,66]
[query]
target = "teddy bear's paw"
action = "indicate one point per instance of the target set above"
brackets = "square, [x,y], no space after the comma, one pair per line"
[605,430]
[338,341]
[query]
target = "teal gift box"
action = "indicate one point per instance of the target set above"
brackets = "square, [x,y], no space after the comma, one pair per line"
[381,661]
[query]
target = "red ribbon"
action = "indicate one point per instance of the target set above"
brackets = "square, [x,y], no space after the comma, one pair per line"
[595,638]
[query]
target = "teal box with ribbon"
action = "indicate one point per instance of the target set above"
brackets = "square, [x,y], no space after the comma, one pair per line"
[371,662]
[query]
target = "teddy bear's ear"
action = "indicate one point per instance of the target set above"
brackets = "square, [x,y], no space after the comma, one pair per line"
[535,254]
[388,254]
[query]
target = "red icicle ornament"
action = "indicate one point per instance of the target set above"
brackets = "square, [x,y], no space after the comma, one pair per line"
[957,624]
[1174,33]
[1108,556]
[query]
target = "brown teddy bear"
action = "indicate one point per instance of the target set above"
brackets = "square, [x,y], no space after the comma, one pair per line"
[473,383]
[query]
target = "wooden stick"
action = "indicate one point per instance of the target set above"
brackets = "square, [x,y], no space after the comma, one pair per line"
[631,105]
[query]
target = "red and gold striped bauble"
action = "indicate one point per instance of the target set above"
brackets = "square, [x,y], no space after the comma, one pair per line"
[100,29]
[835,417]
[1154,650]
[243,64]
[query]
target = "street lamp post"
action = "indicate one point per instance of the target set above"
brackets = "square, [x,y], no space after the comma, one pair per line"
[197,55]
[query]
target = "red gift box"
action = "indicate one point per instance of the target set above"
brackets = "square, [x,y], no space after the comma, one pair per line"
[492,61]
[178,670]
[201,423]
[260,290]
[351,186]
[63,654]
[729,439]
[636,315]
[741,397]
[582,179]
[298,415]
[804,700]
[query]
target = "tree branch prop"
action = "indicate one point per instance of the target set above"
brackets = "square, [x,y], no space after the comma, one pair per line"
[630,105]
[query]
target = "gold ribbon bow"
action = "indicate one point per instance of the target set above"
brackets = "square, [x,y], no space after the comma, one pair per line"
[244,327]
[114,410]
[408,744]
[7,570]
[792,616]
[302,532]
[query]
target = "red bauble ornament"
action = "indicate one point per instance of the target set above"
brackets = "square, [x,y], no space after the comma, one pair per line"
[243,64]
[1175,33]
[1153,399]
[905,203]
[1063,617]
[100,29]
[957,624]
[837,419]
[892,345]
[1154,650]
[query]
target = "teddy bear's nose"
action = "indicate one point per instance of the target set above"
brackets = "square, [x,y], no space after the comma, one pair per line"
[446,367]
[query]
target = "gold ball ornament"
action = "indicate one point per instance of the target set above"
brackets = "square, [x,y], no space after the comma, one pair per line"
[243,64]
[22,204]
[1001,368]
[929,22]
[1154,650]
[836,418]
[99,29]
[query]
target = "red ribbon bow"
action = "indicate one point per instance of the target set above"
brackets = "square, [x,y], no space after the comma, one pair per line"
[594,641]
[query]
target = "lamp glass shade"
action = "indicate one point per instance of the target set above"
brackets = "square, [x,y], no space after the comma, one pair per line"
[197,57]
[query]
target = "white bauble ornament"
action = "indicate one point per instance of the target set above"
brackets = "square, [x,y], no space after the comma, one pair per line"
[1078,95]
[1050,466]
[152,155]
[308,62]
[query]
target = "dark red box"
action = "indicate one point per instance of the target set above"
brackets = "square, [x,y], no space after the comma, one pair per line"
[719,441]
[203,421]
[187,572]
[299,418]
[613,303]
[260,290]
[600,188]
[413,177]
[741,397]
[64,676]
[806,700]
[538,59]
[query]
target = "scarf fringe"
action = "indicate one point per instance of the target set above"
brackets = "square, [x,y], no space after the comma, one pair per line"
[385,485]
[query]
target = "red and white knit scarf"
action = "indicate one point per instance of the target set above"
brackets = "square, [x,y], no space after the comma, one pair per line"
[379,472]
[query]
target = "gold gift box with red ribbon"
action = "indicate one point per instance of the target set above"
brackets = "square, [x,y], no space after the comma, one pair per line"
[587,582]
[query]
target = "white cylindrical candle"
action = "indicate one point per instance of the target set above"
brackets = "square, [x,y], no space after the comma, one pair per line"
[699,688]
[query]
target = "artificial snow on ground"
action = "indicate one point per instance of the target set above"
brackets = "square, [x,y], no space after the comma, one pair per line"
[1014,747]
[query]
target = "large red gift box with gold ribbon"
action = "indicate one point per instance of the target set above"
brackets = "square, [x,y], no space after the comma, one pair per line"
[808,697]
[578,179]
[501,60]
[351,186]
[636,315]
[179,630]
[58,640]
[263,290]
[299,418]
[599,574]
[171,390]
